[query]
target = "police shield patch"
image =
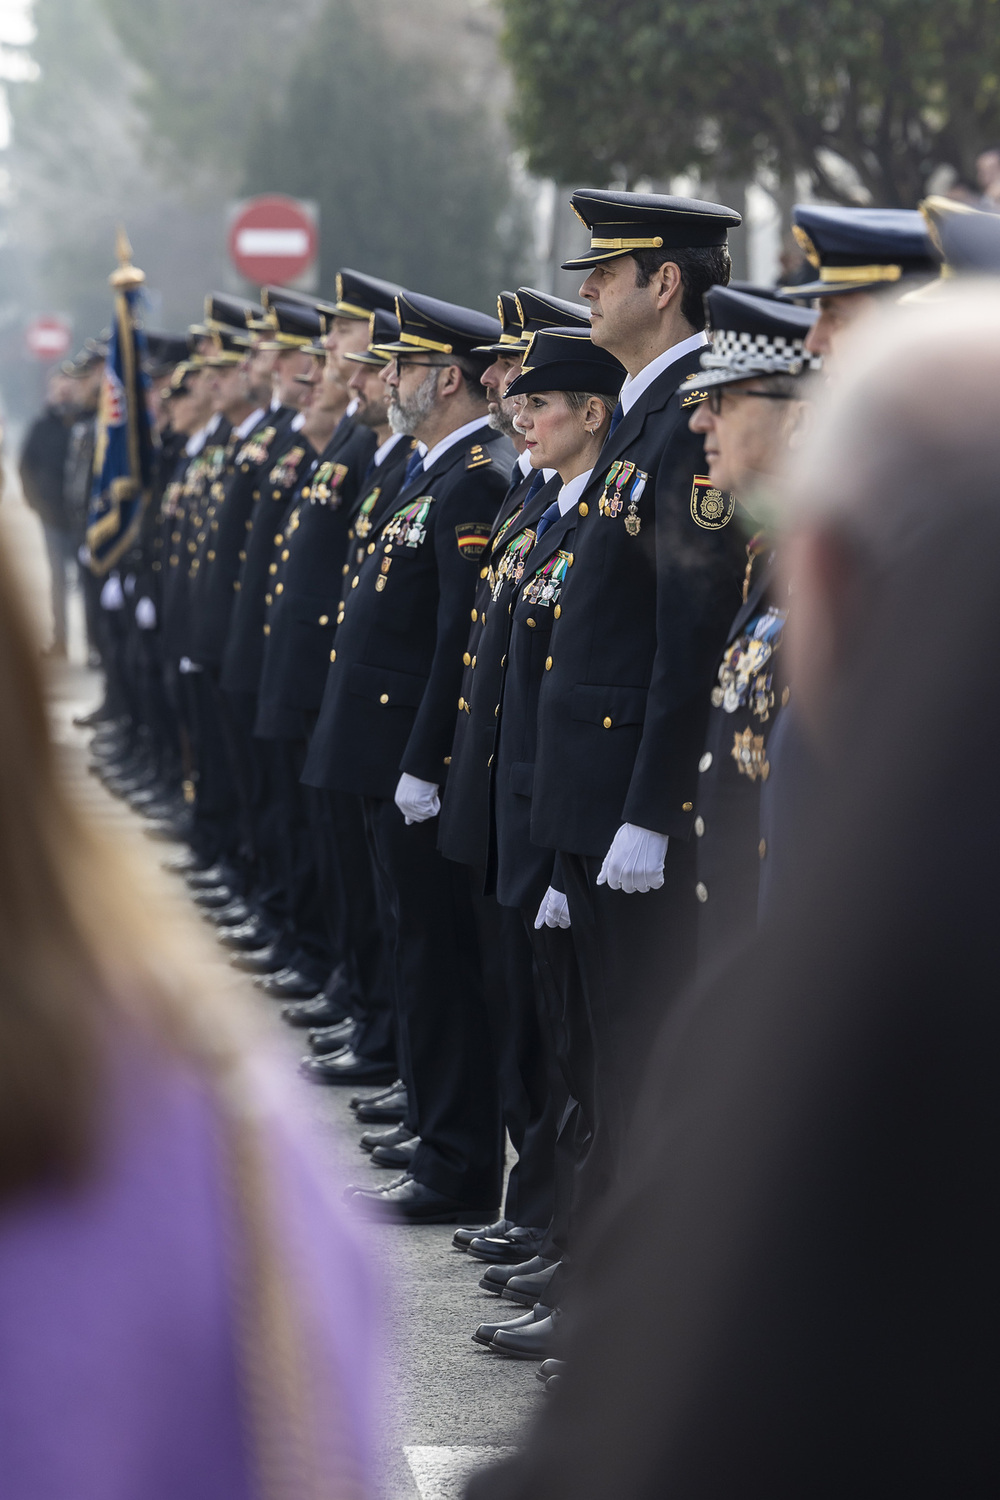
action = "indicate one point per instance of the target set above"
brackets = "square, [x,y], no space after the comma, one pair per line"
[710,508]
[472,539]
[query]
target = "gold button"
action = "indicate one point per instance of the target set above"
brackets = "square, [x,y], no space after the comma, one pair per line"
[388,548]
[243,556]
[371,547]
[384,698]
[273,568]
[278,539]
[267,630]
[607,722]
[475,615]
[306,492]
[530,623]
[285,555]
[557,612]
[699,826]
[248,525]
[583,508]
[473,661]
[762,848]
[236,584]
[786,693]
[324,619]
[701,891]
[345,569]
[484,572]
[687,806]
[461,704]
[275,494]
[333,656]
[467,659]
[548,664]
[447,760]
[280,589]
[211,557]
[496,712]
[705,763]
[354,583]
[503,660]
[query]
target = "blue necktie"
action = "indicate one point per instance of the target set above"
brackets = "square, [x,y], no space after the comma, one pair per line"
[534,486]
[413,463]
[515,475]
[616,417]
[545,520]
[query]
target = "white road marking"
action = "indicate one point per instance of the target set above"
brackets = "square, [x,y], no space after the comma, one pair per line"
[441,1473]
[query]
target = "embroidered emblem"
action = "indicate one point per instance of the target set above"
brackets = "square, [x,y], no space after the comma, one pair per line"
[623,486]
[409,525]
[473,537]
[710,508]
[478,457]
[326,482]
[750,756]
[546,585]
[284,472]
[255,450]
[511,565]
[743,680]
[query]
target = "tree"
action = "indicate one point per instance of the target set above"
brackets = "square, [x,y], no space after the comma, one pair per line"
[620,89]
[412,181]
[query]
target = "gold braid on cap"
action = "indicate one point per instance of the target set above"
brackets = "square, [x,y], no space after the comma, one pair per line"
[807,247]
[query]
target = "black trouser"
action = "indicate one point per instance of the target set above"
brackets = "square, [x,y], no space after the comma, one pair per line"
[157,712]
[306,929]
[444,1050]
[526,1079]
[366,935]
[216,810]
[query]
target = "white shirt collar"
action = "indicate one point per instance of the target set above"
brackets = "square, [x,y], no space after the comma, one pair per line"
[352,406]
[466,430]
[275,403]
[383,452]
[298,421]
[197,441]
[524,464]
[571,492]
[245,428]
[636,384]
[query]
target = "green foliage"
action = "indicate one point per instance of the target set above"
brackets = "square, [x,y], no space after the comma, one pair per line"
[611,89]
[412,183]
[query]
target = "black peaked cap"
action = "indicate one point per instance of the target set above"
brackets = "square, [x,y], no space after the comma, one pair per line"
[859,249]
[566,359]
[971,242]
[622,222]
[383,329]
[294,324]
[440,327]
[165,348]
[359,295]
[225,311]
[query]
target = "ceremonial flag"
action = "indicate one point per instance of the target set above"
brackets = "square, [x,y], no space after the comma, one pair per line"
[123,449]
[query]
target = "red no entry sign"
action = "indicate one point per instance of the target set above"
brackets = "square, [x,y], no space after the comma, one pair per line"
[273,239]
[48,337]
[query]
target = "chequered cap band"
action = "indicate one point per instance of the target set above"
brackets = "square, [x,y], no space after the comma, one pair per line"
[758,354]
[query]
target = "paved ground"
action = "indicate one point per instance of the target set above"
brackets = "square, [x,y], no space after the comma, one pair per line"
[453,1405]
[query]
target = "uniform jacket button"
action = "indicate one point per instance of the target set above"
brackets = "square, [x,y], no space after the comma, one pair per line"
[466,658]
[701,891]
[384,698]
[699,826]
[583,508]
[530,624]
[762,848]
[705,763]
[607,722]
[548,664]
[687,806]
[324,619]
[354,583]
[333,656]
[557,612]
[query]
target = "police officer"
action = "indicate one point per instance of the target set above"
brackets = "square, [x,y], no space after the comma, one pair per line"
[391,700]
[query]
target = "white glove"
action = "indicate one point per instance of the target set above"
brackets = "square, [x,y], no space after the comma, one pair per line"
[554,910]
[130,584]
[417,800]
[186,666]
[145,614]
[635,860]
[112,594]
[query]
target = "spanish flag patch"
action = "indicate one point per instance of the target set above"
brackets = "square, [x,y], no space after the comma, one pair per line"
[472,538]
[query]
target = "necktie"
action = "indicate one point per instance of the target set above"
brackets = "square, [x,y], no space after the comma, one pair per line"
[616,417]
[545,520]
[515,475]
[534,486]
[413,463]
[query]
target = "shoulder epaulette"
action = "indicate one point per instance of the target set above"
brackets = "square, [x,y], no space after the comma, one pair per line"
[478,457]
[692,398]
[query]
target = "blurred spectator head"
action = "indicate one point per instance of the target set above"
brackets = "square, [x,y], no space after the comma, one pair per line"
[988,172]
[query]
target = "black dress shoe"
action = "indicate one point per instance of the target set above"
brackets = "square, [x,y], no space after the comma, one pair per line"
[319,1012]
[462,1238]
[396,1156]
[509,1249]
[389,1109]
[259,960]
[497,1277]
[485,1332]
[549,1368]
[248,937]
[234,915]
[213,897]
[344,1067]
[411,1203]
[181,864]
[200,879]
[391,1135]
[369,1097]
[529,1289]
[332,1038]
[288,984]
[533,1341]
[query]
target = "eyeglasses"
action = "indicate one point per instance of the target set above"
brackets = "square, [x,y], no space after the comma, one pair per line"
[716,393]
[399,364]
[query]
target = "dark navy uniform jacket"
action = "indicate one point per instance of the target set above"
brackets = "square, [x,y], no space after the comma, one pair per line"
[656,580]
[746,699]
[379,493]
[522,870]
[305,586]
[184,501]
[390,699]
[228,514]
[464,833]
[289,455]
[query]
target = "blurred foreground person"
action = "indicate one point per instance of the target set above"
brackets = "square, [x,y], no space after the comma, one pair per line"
[42,462]
[793,1291]
[158,1219]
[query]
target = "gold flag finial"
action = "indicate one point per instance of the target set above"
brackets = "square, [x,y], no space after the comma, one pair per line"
[127,274]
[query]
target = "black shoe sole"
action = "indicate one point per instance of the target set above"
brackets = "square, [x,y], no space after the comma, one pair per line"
[523,1299]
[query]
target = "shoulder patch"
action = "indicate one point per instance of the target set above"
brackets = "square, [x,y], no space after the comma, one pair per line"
[473,537]
[710,508]
[693,398]
[478,457]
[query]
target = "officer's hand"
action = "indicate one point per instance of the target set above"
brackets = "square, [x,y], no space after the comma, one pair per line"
[145,614]
[554,910]
[635,860]
[112,594]
[417,800]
